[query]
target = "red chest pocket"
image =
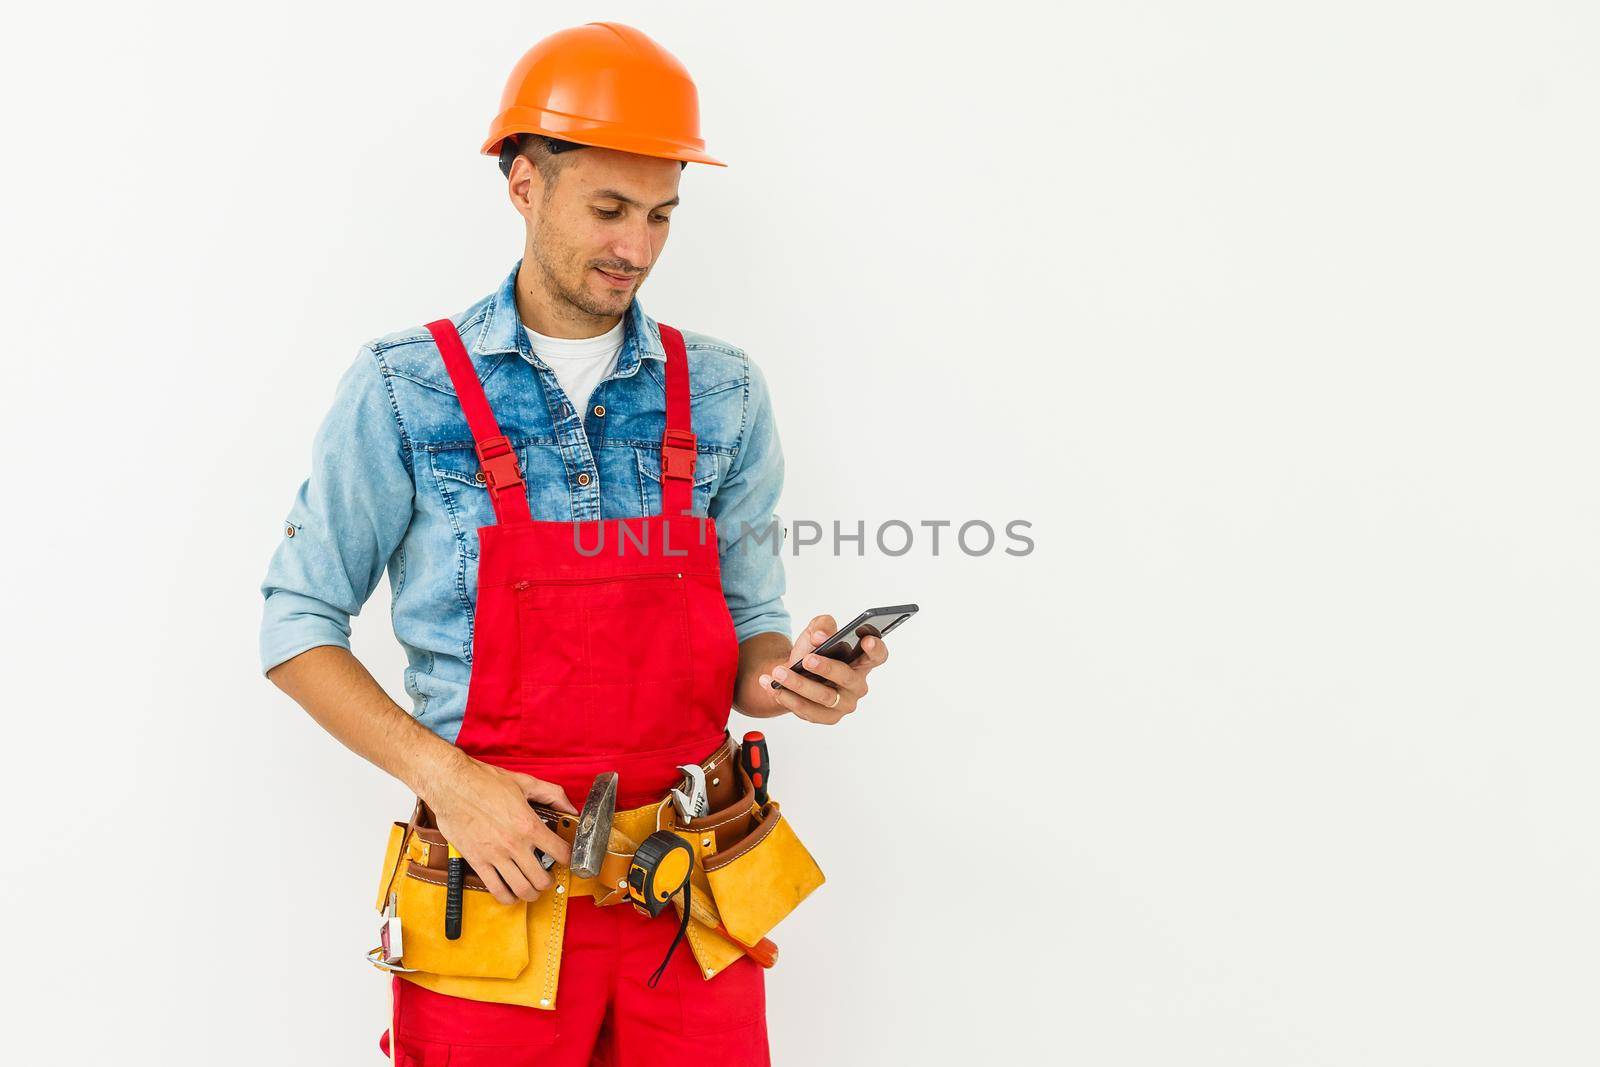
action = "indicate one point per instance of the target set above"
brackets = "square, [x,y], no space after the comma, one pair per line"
[601,660]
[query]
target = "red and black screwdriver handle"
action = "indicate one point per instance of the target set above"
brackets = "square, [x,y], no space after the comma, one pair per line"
[753,758]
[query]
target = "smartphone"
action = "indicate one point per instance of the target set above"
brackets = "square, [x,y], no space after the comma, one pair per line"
[846,643]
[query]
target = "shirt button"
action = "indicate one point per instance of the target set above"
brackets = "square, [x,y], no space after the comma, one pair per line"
[288,531]
[583,479]
[599,411]
[479,478]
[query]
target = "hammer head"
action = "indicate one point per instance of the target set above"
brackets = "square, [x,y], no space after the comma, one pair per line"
[589,841]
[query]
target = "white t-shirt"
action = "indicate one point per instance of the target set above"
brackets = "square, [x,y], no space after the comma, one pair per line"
[580,363]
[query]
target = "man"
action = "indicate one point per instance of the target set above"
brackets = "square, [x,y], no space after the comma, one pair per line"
[537,474]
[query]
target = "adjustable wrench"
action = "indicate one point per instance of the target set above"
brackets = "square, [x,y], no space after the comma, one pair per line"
[690,799]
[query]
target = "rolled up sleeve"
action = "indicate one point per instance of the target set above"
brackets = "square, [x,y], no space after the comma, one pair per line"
[750,538]
[345,523]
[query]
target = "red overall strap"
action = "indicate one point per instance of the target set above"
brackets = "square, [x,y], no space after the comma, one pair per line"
[678,441]
[496,458]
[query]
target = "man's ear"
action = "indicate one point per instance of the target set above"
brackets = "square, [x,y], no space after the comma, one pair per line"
[524,186]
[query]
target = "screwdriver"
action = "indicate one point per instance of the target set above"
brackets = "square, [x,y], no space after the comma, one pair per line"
[455,879]
[753,758]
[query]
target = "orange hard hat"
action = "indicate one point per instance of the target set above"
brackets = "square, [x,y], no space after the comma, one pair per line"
[606,85]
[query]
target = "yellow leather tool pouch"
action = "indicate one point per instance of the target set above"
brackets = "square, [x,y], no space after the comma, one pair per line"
[760,873]
[507,953]
[494,936]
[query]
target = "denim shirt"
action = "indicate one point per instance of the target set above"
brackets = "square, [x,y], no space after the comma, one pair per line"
[394,484]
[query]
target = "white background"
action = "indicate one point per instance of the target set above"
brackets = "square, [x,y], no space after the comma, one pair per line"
[1276,320]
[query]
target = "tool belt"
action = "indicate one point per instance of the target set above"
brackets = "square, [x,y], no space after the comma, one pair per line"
[747,862]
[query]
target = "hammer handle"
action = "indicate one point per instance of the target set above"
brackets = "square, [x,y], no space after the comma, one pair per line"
[763,952]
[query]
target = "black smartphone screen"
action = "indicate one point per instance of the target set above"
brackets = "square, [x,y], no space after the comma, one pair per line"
[846,643]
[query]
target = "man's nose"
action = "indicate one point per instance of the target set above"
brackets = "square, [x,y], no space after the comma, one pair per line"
[633,245]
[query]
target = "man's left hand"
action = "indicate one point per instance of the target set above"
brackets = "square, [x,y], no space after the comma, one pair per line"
[843,685]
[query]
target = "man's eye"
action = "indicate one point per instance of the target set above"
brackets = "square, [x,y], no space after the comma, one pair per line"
[614,213]
[660,218]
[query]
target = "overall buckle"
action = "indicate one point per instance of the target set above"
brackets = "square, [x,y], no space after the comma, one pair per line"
[677,454]
[498,461]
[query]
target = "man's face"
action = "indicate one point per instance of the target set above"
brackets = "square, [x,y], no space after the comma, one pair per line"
[597,231]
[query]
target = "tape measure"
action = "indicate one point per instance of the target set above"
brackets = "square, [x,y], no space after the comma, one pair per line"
[660,868]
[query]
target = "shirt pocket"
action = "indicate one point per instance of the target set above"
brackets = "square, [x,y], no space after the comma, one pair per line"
[707,475]
[459,477]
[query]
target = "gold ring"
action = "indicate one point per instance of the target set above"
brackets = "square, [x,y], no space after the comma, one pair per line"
[837,696]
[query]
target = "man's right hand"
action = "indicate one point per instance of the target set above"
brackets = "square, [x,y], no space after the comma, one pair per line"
[483,811]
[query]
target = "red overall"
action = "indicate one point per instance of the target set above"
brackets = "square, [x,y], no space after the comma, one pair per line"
[597,646]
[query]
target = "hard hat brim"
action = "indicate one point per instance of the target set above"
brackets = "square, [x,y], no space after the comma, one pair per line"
[589,132]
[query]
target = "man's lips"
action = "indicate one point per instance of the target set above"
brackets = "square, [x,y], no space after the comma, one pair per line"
[618,281]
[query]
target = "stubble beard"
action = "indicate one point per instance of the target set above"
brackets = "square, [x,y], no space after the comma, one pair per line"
[576,291]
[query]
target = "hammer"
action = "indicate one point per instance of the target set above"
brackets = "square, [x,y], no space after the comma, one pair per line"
[593,835]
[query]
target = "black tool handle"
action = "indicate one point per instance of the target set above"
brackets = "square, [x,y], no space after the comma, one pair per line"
[753,758]
[454,881]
